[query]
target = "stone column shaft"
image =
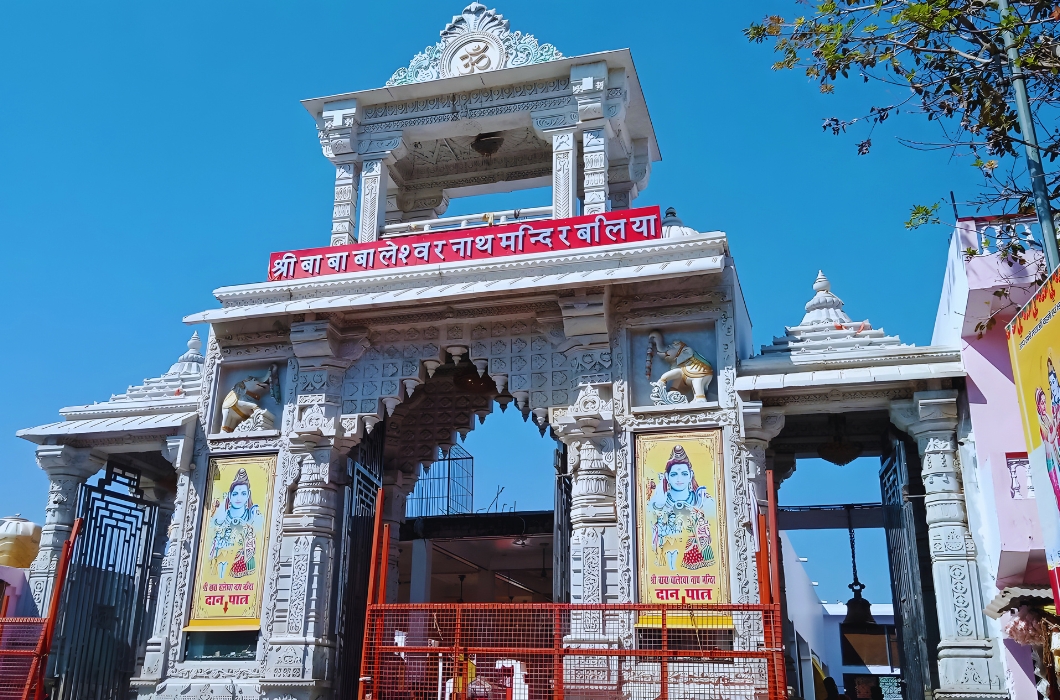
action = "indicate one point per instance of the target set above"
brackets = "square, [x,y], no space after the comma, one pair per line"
[968,666]
[373,199]
[594,155]
[564,174]
[344,213]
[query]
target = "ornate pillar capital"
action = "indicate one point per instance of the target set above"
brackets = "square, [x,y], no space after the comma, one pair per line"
[178,451]
[67,468]
[591,415]
[758,423]
[927,411]
[75,462]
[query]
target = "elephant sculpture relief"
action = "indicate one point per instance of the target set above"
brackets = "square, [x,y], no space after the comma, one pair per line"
[688,369]
[240,410]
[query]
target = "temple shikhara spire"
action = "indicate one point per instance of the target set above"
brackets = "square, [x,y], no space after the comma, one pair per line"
[826,328]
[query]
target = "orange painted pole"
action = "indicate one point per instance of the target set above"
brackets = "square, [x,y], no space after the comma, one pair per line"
[774,541]
[385,551]
[372,571]
[385,545]
[377,531]
[774,569]
[664,662]
[45,646]
[765,596]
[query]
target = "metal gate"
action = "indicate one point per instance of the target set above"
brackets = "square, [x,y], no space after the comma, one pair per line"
[561,529]
[103,604]
[905,523]
[365,473]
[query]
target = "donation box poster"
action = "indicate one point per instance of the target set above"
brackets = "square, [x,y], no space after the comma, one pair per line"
[681,538]
[1034,344]
[232,545]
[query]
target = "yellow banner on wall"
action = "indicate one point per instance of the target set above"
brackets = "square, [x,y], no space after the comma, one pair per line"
[681,535]
[1034,346]
[233,544]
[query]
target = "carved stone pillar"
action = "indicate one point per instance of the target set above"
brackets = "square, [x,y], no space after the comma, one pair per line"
[589,85]
[628,177]
[753,459]
[594,155]
[178,451]
[372,191]
[301,642]
[968,666]
[587,429]
[376,154]
[564,174]
[337,132]
[344,213]
[396,489]
[67,468]
[310,529]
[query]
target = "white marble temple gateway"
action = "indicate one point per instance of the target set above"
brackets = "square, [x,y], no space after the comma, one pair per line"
[350,380]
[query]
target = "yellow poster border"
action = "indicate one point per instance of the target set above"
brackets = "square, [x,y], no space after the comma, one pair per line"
[705,436]
[269,461]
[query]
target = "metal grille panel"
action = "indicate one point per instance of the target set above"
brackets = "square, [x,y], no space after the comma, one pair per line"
[100,626]
[446,487]
[552,651]
[365,471]
[20,642]
[906,585]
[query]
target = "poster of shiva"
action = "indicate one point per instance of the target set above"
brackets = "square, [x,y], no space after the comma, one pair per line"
[681,538]
[232,547]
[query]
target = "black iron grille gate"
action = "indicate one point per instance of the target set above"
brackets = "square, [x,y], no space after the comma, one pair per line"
[102,613]
[912,587]
[561,530]
[365,473]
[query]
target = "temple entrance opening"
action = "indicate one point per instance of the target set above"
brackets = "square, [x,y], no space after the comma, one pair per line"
[479,517]
[853,538]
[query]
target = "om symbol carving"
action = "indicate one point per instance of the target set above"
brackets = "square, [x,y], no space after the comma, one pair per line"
[475,57]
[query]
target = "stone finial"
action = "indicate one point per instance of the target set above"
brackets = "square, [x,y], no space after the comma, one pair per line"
[824,307]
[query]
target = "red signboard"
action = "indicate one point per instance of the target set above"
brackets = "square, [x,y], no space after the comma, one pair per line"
[466,244]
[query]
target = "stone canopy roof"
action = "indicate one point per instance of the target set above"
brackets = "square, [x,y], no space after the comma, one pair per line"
[826,328]
[184,378]
[176,389]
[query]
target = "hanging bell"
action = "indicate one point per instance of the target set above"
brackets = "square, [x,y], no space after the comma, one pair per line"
[859,610]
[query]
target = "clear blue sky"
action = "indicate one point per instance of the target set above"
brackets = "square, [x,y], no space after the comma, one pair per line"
[150,153]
